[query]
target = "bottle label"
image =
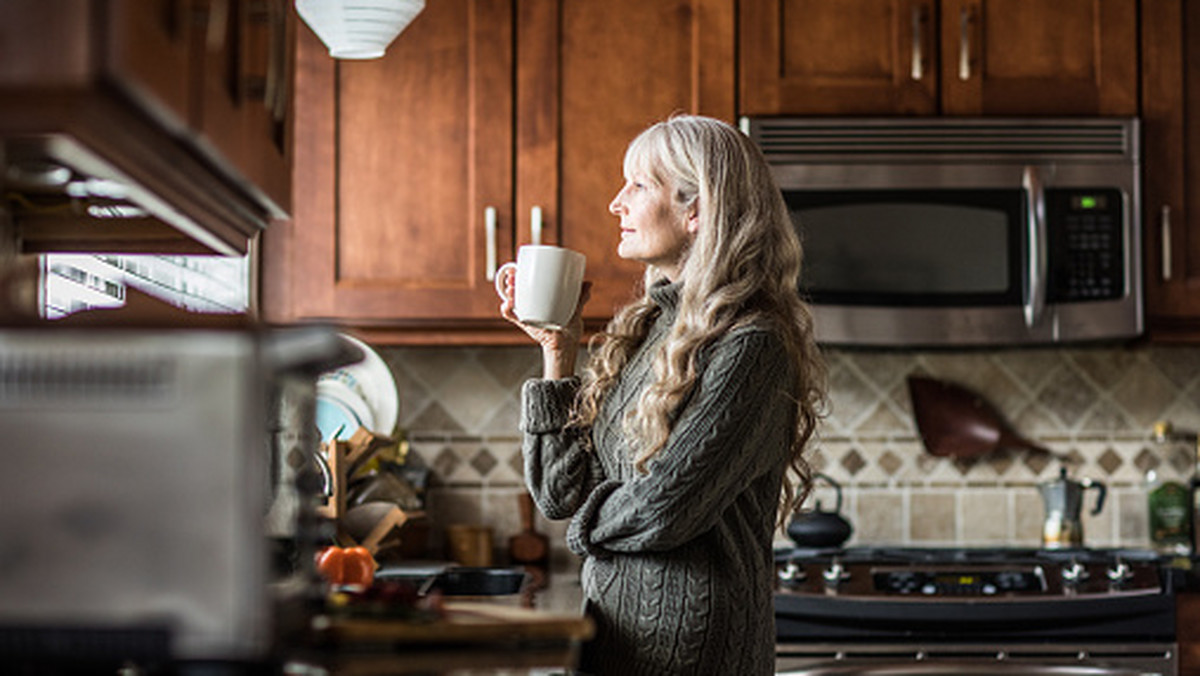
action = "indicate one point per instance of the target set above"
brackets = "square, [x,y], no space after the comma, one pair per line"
[1169,515]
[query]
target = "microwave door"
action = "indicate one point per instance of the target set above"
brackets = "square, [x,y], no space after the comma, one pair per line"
[902,266]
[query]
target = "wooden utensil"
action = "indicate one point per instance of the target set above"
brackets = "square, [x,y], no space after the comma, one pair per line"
[954,421]
[528,547]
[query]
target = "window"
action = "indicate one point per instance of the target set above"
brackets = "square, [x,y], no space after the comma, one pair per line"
[74,282]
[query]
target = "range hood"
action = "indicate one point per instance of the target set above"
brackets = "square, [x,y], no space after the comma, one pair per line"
[131,127]
[66,195]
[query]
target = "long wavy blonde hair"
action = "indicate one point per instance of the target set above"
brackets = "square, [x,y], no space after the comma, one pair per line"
[742,268]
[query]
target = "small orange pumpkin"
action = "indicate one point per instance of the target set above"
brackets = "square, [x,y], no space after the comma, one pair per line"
[350,566]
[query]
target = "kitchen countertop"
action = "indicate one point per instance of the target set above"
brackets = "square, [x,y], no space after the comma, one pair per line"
[537,632]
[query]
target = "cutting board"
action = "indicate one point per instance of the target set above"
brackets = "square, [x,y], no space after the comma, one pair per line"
[464,622]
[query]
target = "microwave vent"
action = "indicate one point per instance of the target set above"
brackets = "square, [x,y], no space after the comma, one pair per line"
[41,379]
[797,139]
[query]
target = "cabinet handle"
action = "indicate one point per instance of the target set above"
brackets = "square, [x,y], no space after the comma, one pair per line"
[918,18]
[964,44]
[535,225]
[1035,198]
[1165,233]
[489,221]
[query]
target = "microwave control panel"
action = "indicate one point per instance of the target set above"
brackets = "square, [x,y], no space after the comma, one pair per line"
[1087,244]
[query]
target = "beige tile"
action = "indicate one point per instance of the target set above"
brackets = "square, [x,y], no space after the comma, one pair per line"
[451,505]
[501,513]
[1180,364]
[1029,514]
[1093,403]
[850,400]
[986,516]
[511,366]
[1099,530]
[1133,525]
[1105,367]
[472,397]
[506,471]
[1068,396]
[1143,394]
[879,517]
[932,517]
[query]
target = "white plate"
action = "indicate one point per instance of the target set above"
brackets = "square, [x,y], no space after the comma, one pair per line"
[341,411]
[372,380]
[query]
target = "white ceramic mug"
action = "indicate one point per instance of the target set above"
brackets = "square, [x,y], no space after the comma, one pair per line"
[547,284]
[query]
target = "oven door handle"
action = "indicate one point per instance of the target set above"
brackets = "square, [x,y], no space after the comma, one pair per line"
[1035,222]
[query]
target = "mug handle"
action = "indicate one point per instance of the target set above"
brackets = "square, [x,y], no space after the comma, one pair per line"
[499,279]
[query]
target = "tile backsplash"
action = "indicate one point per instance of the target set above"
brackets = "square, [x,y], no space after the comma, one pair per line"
[459,410]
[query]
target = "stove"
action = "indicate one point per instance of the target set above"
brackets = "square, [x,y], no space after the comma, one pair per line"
[975,611]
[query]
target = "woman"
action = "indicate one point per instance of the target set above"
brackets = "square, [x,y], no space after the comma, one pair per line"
[670,457]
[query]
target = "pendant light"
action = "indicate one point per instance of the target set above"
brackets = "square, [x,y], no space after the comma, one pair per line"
[358,29]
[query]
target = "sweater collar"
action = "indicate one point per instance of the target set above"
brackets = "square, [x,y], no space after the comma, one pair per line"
[665,294]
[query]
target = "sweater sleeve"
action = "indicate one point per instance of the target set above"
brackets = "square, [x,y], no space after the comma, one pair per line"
[559,471]
[735,428]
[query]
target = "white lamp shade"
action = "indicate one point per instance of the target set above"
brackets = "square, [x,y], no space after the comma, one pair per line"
[358,29]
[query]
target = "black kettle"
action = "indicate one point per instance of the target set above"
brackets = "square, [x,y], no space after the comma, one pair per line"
[820,529]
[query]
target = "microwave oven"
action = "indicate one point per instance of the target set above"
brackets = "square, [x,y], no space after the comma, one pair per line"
[963,231]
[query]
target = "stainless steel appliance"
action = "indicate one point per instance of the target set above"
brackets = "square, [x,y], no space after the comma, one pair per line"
[890,611]
[136,484]
[959,231]
[1063,500]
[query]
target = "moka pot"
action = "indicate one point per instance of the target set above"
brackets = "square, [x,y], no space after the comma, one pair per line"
[1063,498]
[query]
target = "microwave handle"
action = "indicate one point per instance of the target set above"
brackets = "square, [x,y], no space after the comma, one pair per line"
[1035,221]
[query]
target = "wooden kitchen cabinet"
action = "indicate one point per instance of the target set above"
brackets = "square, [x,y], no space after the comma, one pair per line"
[217,71]
[419,172]
[938,57]
[1171,186]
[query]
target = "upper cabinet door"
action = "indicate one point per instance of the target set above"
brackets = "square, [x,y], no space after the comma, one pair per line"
[950,57]
[838,57]
[403,180]
[149,52]
[591,76]
[1171,218]
[245,65]
[1015,57]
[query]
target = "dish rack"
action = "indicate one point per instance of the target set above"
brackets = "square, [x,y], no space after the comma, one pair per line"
[343,458]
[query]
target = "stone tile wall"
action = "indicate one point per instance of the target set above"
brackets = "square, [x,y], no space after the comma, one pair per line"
[459,408]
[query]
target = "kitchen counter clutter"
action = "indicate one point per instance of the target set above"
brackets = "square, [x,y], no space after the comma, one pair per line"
[410,634]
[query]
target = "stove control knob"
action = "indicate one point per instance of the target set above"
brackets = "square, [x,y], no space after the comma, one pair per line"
[1119,573]
[1074,573]
[792,574]
[835,574]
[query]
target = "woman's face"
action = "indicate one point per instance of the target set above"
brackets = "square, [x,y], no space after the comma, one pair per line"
[653,230]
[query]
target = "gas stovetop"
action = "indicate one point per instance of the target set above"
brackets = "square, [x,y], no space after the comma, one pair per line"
[979,574]
[898,595]
[886,553]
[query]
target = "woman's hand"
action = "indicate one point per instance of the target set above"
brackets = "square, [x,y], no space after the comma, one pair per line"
[559,348]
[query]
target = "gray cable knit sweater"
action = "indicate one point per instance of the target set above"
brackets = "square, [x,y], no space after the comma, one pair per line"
[677,572]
